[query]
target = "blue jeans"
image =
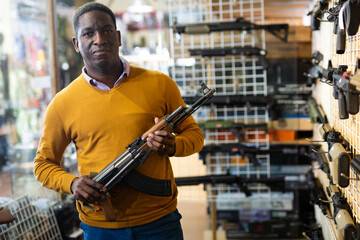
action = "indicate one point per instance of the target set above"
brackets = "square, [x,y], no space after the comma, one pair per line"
[166,228]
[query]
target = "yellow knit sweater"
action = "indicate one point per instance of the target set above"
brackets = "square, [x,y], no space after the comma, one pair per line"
[101,124]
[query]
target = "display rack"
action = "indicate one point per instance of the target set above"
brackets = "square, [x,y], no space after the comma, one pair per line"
[33,215]
[230,75]
[349,128]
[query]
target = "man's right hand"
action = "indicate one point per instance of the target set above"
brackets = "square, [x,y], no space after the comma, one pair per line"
[84,190]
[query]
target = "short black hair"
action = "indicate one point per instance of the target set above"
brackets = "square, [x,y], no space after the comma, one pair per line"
[88,7]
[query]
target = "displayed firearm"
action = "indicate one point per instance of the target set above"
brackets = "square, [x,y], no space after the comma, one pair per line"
[315,72]
[316,112]
[245,51]
[278,30]
[339,158]
[340,212]
[247,151]
[137,152]
[248,100]
[343,91]
[317,194]
[242,182]
[317,13]
[346,21]
[355,163]
[336,16]
[314,233]
[234,127]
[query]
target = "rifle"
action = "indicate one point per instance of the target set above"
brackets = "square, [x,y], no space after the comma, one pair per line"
[343,91]
[247,100]
[246,51]
[242,182]
[317,194]
[317,12]
[339,158]
[239,24]
[340,212]
[336,16]
[315,72]
[246,151]
[316,112]
[137,152]
[234,127]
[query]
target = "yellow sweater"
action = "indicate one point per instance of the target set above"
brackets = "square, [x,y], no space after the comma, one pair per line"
[101,124]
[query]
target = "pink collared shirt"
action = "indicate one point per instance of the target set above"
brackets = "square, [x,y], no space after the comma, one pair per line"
[102,86]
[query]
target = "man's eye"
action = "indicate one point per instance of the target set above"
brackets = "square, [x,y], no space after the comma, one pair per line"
[109,31]
[87,34]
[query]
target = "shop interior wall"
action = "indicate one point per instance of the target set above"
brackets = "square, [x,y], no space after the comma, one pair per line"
[324,41]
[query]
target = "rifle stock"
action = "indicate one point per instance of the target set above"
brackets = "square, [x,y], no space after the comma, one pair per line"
[338,157]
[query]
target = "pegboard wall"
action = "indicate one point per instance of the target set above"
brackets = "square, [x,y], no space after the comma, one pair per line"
[349,128]
[231,74]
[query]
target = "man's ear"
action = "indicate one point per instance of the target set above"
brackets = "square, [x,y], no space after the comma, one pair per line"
[76,44]
[119,37]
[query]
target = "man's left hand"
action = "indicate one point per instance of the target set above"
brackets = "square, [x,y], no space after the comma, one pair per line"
[162,141]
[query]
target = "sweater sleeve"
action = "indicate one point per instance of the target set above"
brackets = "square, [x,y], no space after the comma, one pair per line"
[53,142]
[190,138]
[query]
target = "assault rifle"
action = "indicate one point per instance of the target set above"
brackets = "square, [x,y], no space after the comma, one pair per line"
[340,212]
[335,16]
[241,182]
[316,112]
[249,101]
[234,127]
[317,13]
[343,91]
[124,167]
[247,151]
[245,51]
[278,30]
[317,194]
[315,72]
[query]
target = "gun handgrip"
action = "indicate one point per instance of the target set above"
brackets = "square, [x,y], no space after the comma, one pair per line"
[340,41]
[343,113]
[352,103]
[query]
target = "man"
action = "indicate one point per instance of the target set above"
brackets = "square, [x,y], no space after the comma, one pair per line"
[102,111]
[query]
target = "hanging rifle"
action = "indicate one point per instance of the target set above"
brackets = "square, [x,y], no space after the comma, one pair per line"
[339,158]
[344,90]
[278,30]
[250,152]
[245,51]
[340,213]
[234,127]
[317,12]
[242,182]
[249,101]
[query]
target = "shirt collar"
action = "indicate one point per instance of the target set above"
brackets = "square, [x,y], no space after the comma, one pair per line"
[100,85]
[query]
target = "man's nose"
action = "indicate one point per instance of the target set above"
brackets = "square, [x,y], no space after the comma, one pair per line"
[99,38]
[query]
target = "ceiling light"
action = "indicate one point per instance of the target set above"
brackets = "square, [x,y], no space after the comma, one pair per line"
[139,6]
